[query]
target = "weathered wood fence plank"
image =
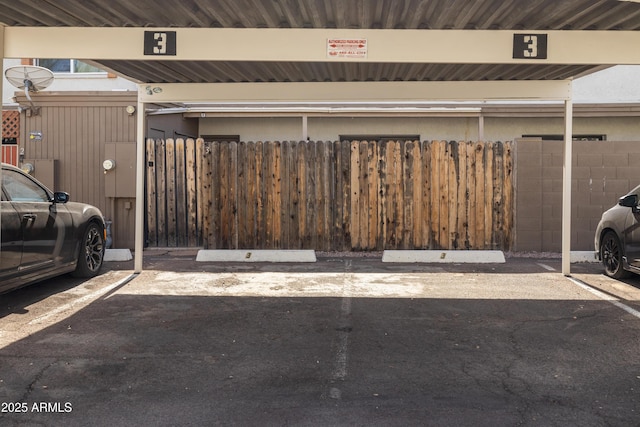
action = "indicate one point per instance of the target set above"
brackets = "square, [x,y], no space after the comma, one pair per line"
[348,195]
[152,196]
[191,215]
[171,192]
[161,176]
[180,193]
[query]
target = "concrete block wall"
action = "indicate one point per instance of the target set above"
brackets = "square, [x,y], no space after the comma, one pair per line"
[603,171]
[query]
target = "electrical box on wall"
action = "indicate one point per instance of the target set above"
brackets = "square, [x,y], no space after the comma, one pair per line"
[44,170]
[119,167]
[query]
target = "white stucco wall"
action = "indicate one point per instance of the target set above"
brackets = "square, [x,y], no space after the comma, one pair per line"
[615,128]
[329,128]
[461,129]
[254,129]
[615,84]
[429,128]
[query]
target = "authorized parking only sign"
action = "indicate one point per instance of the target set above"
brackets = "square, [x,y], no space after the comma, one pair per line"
[347,48]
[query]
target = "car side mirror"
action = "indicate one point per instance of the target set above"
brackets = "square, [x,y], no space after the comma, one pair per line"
[630,201]
[60,197]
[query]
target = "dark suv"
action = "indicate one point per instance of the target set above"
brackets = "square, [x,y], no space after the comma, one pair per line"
[43,234]
[617,239]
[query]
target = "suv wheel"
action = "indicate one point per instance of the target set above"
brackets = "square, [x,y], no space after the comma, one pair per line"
[611,256]
[91,252]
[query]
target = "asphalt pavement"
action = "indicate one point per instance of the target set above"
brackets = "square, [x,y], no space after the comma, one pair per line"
[347,340]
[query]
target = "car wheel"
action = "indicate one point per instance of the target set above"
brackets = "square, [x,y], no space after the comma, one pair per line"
[611,256]
[91,252]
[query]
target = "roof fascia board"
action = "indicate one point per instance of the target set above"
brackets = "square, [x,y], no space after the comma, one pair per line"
[502,110]
[312,45]
[333,112]
[553,90]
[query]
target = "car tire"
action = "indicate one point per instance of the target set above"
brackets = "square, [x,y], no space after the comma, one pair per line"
[611,256]
[91,254]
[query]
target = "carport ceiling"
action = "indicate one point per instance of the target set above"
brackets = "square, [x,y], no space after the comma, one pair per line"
[543,15]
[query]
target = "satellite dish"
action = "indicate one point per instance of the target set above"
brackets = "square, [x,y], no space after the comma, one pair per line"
[29,78]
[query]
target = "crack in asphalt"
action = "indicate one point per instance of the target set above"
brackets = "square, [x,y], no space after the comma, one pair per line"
[31,386]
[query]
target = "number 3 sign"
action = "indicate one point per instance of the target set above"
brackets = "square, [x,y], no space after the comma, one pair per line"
[160,43]
[529,46]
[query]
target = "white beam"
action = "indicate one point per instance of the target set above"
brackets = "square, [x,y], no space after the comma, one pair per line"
[311,45]
[140,171]
[566,188]
[355,91]
[1,129]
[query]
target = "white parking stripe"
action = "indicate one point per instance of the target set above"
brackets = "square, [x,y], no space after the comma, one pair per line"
[606,297]
[546,267]
[340,368]
[339,372]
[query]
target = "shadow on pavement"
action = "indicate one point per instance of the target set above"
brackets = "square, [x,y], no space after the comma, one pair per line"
[17,301]
[195,360]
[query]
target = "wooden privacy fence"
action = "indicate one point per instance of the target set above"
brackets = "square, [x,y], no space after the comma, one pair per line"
[174,215]
[359,195]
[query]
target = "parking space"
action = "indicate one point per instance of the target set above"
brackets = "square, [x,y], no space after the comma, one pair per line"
[344,341]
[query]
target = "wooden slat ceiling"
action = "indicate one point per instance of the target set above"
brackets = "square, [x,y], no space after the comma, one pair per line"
[353,14]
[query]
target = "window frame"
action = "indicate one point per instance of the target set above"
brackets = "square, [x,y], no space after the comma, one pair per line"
[72,67]
[379,137]
[601,137]
[9,177]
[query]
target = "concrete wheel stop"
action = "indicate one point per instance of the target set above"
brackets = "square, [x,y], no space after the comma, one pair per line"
[444,256]
[112,255]
[256,255]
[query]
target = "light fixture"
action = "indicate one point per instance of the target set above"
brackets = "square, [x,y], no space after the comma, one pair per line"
[130,109]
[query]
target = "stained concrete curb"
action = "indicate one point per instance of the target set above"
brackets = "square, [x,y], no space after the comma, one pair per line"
[431,256]
[390,256]
[583,256]
[111,255]
[258,255]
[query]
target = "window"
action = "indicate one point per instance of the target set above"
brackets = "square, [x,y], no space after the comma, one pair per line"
[68,66]
[22,189]
[575,137]
[375,137]
[224,138]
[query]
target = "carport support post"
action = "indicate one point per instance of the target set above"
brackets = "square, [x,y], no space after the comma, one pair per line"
[1,128]
[140,170]
[566,187]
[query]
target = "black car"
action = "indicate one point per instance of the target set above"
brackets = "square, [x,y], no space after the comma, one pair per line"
[45,235]
[617,239]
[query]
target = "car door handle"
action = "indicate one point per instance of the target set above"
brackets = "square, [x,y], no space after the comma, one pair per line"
[29,217]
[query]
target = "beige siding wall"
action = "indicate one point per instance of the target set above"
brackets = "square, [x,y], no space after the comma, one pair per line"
[328,128]
[429,128]
[254,128]
[602,172]
[615,128]
[74,132]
